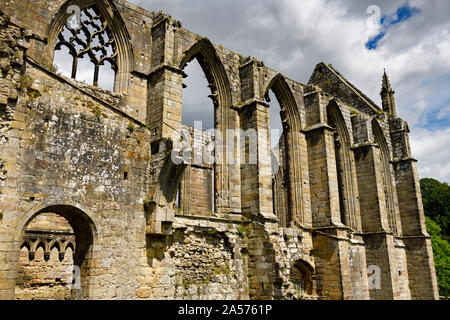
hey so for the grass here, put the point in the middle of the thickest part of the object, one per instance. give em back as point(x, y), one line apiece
point(33, 94)
point(146, 202)
point(242, 231)
point(222, 270)
point(97, 111)
point(25, 82)
point(354, 113)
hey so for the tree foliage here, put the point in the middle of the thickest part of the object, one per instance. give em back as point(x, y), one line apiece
point(441, 251)
point(436, 202)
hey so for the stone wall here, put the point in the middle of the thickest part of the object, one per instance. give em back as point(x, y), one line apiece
point(102, 160)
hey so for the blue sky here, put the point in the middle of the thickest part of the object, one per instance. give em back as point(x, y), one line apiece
point(412, 43)
point(402, 14)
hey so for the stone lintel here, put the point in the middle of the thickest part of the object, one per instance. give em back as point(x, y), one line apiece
point(404, 160)
point(250, 103)
point(166, 66)
point(315, 127)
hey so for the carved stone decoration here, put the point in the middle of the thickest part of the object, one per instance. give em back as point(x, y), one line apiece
point(91, 37)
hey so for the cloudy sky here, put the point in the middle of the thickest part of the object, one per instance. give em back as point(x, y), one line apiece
point(411, 40)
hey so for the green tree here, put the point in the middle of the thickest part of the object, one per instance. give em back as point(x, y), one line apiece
point(441, 251)
point(436, 203)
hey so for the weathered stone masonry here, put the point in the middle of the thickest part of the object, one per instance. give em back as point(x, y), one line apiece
point(86, 176)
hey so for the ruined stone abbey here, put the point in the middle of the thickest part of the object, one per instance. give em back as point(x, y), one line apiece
point(93, 205)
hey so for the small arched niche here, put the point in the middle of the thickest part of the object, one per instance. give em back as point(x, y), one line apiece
point(55, 255)
point(301, 276)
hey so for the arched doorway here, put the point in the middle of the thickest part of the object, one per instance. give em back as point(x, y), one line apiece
point(301, 276)
point(55, 255)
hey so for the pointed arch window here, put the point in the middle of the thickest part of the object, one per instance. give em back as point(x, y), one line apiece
point(92, 47)
point(348, 203)
point(388, 184)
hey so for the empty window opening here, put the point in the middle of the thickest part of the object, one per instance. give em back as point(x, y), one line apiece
point(196, 104)
point(198, 181)
point(177, 203)
point(277, 145)
point(154, 147)
point(344, 166)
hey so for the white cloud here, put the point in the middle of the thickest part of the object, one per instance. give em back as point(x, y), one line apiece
point(432, 150)
point(444, 113)
point(293, 36)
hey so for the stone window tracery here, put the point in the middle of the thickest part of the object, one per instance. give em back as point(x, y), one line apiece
point(91, 38)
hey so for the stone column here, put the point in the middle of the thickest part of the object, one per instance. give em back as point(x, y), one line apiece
point(165, 85)
point(383, 250)
point(331, 240)
point(419, 253)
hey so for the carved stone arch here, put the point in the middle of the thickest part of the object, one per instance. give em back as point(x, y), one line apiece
point(54, 243)
point(27, 244)
point(213, 68)
point(69, 244)
point(290, 117)
point(285, 97)
point(380, 139)
point(38, 243)
point(117, 27)
point(345, 166)
point(303, 270)
point(335, 117)
point(85, 235)
point(388, 183)
point(219, 84)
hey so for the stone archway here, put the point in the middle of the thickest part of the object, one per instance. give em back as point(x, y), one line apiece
point(301, 276)
point(291, 146)
point(345, 167)
point(56, 252)
point(219, 84)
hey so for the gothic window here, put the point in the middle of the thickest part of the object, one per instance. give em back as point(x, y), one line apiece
point(340, 176)
point(92, 49)
point(386, 174)
point(198, 181)
point(344, 167)
point(278, 157)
